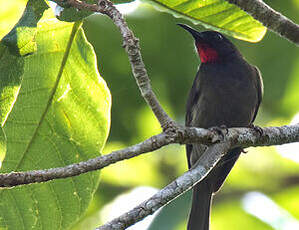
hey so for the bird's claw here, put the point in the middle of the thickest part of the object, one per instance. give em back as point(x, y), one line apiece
point(219, 130)
point(257, 129)
point(225, 128)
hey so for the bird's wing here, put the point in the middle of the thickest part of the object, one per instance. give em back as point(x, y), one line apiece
point(192, 100)
point(260, 89)
point(193, 97)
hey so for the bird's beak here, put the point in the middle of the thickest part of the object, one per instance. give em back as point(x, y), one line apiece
point(196, 35)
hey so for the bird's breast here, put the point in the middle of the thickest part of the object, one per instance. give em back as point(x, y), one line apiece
point(227, 97)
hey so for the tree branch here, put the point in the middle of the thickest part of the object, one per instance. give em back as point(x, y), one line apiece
point(131, 45)
point(241, 137)
point(235, 137)
point(270, 18)
point(171, 191)
point(36, 176)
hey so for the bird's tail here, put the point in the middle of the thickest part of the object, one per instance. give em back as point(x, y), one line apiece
point(199, 217)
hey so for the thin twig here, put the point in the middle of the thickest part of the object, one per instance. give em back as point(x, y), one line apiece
point(270, 18)
point(131, 45)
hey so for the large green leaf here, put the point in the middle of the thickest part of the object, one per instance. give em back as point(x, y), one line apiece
point(12, 69)
point(18, 42)
point(21, 39)
point(61, 116)
point(10, 14)
point(217, 15)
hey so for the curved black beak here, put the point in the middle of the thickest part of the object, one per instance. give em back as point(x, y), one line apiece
point(196, 35)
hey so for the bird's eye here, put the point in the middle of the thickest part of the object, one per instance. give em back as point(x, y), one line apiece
point(219, 36)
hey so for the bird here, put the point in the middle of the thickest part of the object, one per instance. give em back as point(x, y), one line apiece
point(226, 92)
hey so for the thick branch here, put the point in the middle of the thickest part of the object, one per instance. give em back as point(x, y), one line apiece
point(244, 137)
point(131, 44)
point(270, 18)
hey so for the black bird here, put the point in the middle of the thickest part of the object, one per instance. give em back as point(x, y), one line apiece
point(226, 91)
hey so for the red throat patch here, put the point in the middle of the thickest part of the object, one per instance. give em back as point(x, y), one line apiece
point(206, 53)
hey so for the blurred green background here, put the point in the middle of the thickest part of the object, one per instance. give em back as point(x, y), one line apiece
point(262, 190)
point(171, 61)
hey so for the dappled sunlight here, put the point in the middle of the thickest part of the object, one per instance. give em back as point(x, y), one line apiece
point(290, 151)
point(141, 170)
point(253, 169)
point(265, 209)
point(127, 201)
point(127, 8)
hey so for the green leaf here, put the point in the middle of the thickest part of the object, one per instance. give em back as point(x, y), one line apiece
point(10, 14)
point(12, 69)
point(2, 145)
point(217, 15)
point(21, 39)
point(61, 116)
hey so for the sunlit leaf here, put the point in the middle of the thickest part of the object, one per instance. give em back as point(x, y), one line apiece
point(18, 42)
point(216, 15)
point(12, 69)
point(10, 14)
point(2, 145)
point(61, 116)
point(21, 39)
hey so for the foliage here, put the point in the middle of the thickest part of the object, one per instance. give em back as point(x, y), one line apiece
point(55, 113)
point(216, 15)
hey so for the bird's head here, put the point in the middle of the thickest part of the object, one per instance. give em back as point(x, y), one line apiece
point(212, 46)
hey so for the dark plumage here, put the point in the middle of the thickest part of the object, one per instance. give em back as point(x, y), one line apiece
point(226, 91)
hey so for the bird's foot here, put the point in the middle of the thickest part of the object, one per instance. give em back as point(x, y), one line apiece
point(225, 128)
point(219, 130)
point(173, 129)
point(257, 129)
